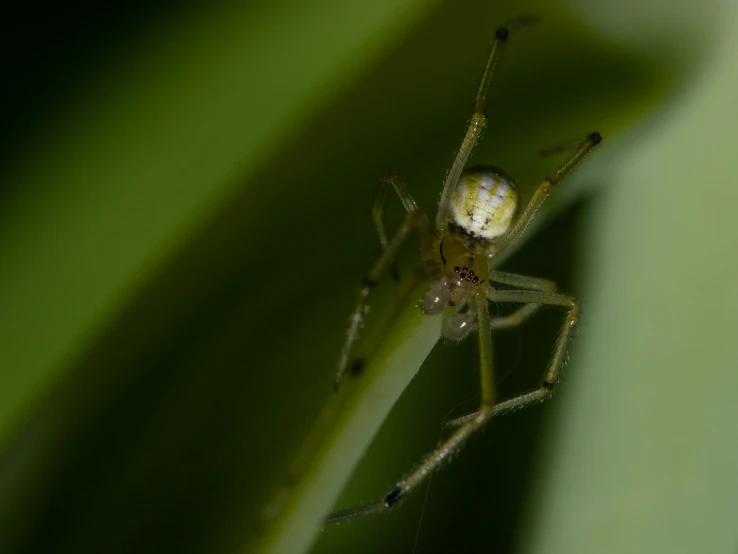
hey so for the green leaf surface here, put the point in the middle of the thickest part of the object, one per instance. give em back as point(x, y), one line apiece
point(147, 149)
point(642, 456)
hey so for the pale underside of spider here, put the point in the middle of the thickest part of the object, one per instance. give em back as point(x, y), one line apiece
point(477, 221)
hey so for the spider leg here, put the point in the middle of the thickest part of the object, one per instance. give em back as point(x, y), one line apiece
point(413, 218)
point(470, 424)
point(477, 122)
point(382, 327)
point(455, 441)
point(542, 192)
point(408, 202)
point(555, 367)
point(527, 310)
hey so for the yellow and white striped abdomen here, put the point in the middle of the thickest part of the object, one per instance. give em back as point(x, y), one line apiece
point(484, 203)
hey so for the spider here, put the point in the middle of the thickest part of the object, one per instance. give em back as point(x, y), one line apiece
point(476, 222)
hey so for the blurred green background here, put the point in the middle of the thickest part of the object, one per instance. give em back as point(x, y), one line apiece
point(185, 194)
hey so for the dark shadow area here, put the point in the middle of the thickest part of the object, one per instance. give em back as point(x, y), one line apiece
point(47, 48)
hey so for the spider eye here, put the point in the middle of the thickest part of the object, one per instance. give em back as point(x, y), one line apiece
point(458, 254)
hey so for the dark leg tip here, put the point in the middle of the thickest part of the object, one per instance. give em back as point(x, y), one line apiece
point(595, 138)
point(357, 368)
point(502, 33)
point(392, 498)
point(369, 284)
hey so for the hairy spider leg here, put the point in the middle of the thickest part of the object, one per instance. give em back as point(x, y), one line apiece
point(520, 315)
point(414, 217)
point(470, 424)
point(541, 193)
point(476, 123)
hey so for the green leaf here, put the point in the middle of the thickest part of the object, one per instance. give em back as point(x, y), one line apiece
point(642, 455)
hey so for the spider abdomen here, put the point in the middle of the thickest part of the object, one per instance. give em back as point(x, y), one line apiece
point(484, 203)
